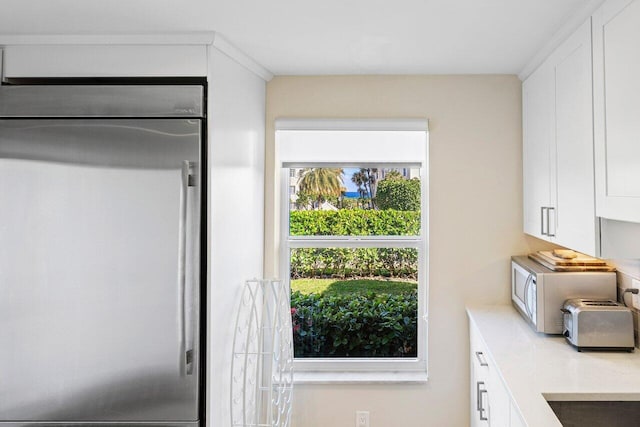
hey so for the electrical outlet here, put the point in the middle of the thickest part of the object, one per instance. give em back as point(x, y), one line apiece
point(362, 418)
point(635, 284)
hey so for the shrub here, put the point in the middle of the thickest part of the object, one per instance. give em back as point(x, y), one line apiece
point(358, 262)
point(399, 194)
point(354, 222)
point(369, 325)
point(362, 262)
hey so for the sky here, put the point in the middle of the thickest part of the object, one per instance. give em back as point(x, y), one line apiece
point(346, 178)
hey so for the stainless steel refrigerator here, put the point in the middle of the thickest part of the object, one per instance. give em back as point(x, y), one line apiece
point(102, 192)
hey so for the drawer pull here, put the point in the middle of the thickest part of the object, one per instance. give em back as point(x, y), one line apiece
point(481, 359)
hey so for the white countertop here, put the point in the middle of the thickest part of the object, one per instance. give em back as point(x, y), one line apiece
point(534, 366)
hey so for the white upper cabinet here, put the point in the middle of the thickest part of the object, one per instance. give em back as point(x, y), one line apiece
point(537, 124)
point(576, 225)
point(616, 68)
point(558, 147)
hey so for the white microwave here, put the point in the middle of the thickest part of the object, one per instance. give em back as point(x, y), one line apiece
point(539, 293)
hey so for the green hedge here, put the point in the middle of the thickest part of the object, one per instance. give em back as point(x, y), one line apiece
point(353, 263)
point(369, 325)
point(401, 194)
point(344, 263)
point(355, 222)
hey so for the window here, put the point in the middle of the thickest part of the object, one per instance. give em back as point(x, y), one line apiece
point(353, 243)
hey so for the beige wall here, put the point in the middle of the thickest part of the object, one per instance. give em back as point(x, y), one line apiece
point(475, 210)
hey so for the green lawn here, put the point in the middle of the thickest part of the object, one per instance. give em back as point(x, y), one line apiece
point(348, 287)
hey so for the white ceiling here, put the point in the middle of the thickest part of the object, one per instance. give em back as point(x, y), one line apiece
point(325, 36)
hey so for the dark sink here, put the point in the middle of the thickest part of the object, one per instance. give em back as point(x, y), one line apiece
point(597, 413)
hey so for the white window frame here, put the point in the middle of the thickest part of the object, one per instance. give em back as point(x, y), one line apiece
point(380, 154)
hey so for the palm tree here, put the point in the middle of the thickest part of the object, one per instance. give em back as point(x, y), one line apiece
point(323, 183)
point(367, 181)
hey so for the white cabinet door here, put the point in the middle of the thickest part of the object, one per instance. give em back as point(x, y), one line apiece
point(537, 123)
point(558, 175)
point(616, 67)
point(515, 419)
point(500, 401)
point(573, 194)
point(479, 409)
point(479, 400)
point(490, 400)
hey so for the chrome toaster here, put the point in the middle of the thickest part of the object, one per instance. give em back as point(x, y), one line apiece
point(598, 324)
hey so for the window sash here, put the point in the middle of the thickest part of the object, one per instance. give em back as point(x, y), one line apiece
point(369, 364)
point(362, 365)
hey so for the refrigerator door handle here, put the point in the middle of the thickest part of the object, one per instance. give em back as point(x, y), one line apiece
point(186, 299)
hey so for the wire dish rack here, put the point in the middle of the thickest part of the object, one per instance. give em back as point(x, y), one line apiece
point(262, 363)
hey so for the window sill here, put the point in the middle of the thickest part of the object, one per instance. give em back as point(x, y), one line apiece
point(324, 377)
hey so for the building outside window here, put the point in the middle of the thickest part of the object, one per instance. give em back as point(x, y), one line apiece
point(354, 244)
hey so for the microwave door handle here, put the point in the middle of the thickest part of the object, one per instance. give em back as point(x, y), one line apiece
point(531, 296)
point(526, 289)
point(526, 295)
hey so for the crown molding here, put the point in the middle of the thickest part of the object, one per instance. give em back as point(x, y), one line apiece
point(576, 19)
point(208, 38)
point(224, 46)
point(190, 38)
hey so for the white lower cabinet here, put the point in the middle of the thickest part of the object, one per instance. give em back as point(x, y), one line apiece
point(500, 400)
point(515, 419)
point(491, 404)
point(479, 387)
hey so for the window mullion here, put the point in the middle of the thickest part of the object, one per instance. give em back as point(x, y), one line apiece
point(315, 242)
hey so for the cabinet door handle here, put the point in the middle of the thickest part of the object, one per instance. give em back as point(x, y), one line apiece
point(481, 359)
point(481, 409)
point(542, 216)
point(549, 223)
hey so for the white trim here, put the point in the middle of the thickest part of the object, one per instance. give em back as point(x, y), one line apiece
point(301, 165)
point(105, 60)
point(361, 370)
point(352, 242)
point(354, 366)
point(575, 20)
point(204, 38)
point(364, 370)
point(224, 46)
point(191, 38)
point(352, 124)
point(333, 377)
